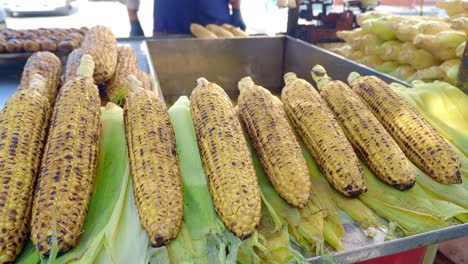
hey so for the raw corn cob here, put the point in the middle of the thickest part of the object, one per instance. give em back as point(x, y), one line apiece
point(101, 44)
point(418, 140)
point(69, 164)
point(220, 32)
point(237, 32)
point(226, 159)
point(373, 144)
point(201, 32)
point(274, 142)
point(48, 65)
point(323, 136)
point(145, 80)
point(126, 65)
point(73, 61)
point(154, 164)
point(23, 124)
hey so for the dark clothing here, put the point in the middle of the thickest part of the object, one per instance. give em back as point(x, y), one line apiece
point(175, 16)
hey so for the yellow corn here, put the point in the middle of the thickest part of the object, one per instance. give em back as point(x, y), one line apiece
point(201, 32)
point(373, 144)
point(275, 142)
point(69, 164)
point(101, 44)
point(73, 61)
point(226, 159)
point(237, 32)
point(126, 65)
point(220, 32)
point(23, 123)
point(154, 164)
point(48, 66)
point(418, 140)
point(145, 80)
point(323, 136)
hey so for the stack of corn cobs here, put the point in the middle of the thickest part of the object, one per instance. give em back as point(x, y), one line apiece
point(410, 47)
point(262, 179)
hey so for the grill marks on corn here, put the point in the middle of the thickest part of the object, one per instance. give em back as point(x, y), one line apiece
point(154, 166)
point(68, 167)
point(126, 65)
point(323, 137)
point(368, 137)
point(275, 143)
point(418, 140)
point(226, 159)
point(23, 124)
point(101, 44)
point(47, 65)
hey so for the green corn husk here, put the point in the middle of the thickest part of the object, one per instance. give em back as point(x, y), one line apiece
point(203, 237)
point(322, 198)
point(413, 210)
point(358, 211)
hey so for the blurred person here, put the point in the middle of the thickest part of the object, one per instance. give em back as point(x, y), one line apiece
point(135, 27)
point(175, 16)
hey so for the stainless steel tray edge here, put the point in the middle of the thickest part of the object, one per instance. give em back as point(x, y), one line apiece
point(398, 245)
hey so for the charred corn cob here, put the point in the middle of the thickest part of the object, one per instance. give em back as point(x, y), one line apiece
point(154, 164)
point(274, 142)
point(73, 61)
point(126, 65)
point(69, 164)
point(145, 80)
point(23, 123)
point(418, 140)
point(101, 44)
point(226, 159)
point(373, 144)
point(48, 66)
point(323, 136)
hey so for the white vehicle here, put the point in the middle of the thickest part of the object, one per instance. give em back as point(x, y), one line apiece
point(2, 18)
point(16, 7)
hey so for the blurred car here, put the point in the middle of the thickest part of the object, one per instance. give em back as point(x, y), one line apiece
point(16, 7)
point(2, 18)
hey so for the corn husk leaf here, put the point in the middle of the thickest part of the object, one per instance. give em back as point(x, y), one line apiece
point(413, 210)
point(322, 199)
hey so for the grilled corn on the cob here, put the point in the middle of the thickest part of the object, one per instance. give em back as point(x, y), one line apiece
point(101, 44)
point(323, 136)
point(69, 164)
point(373, 144)
point(145, 80)
point(23, 124)
point(226, 159)
point(418, 140)
point(73, 61)
point(275, 142)
point(126, 65)
point(154, 164)
point(48, 65)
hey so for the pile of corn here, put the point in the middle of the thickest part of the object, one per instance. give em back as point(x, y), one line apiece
point(207, 182)
point(410, 47)
point(213, 31)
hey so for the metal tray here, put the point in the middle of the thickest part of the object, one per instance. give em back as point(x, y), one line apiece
point(177, 63)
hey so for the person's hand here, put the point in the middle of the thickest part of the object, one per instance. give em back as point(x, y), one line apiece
point(236, 19)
